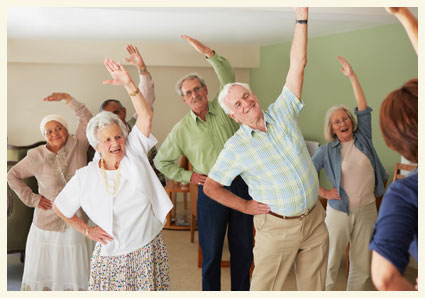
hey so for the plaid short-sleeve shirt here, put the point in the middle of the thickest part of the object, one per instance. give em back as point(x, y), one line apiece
point(276, 164)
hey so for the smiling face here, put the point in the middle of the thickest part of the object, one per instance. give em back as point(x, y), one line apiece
point(245, 106)
point(342, 126)
point(56, 135)
point(111, 145)
point(195, 95)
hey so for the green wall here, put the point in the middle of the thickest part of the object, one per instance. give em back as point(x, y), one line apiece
point(382, 58)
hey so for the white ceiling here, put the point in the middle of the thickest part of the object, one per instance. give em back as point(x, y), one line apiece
point(254, 26)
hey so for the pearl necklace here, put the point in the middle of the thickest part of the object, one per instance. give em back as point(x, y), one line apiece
point(117, 179)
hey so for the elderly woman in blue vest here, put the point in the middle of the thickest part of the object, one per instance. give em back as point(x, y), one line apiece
point(124, 198)
point(358, 177)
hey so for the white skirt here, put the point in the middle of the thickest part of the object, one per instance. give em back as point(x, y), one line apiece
point(56, 261)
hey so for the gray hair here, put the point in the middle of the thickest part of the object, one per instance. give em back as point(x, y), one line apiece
point(101, 121)
point(329, 134)
point(190, 76)
point(225, 91)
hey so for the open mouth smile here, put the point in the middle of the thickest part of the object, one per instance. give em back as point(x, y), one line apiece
point(115, 151)
point(250, 108)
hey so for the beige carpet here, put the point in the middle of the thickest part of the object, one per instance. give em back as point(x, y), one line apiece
point(186, 276)
point(183, 258)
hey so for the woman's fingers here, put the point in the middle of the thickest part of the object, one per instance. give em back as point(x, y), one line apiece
point(98, 234)
point(47, 204)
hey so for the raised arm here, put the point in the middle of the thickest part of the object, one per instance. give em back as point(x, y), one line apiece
point(80, 109)
point(120, 77)
point(298, 55)
point(357, 89)
point(146, 85)
point(221, 65)
point(198, 46)
point(409, 22)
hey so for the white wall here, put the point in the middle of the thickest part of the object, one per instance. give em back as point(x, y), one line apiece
point(38, 68)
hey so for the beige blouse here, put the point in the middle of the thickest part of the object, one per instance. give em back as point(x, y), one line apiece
point(52, 171)
point(357, 176)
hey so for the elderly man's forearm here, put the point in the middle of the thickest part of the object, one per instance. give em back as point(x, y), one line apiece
point(217, 192)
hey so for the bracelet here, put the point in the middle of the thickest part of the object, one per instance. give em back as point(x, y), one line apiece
point(301, 22)
point(143, 71)
point(206, 57)
point(87, 231)
point(134, 93)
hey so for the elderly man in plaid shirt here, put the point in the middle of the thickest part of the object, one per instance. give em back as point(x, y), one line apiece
point(269, 153)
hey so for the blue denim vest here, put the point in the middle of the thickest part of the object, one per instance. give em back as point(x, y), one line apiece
point(329, 157)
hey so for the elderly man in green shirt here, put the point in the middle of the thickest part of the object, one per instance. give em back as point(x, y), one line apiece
point(200, 136)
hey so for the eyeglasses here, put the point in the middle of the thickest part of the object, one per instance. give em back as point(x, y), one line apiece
point(194, 90)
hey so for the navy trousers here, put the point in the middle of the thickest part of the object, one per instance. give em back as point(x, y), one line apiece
point(213, 219)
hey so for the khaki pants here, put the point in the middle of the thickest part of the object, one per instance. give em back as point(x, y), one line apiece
point(281, 244)
point(356, 228)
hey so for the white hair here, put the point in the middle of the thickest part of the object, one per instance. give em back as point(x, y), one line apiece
point(329, 133)
point(225, 91)
point(191, 76)
point(101, 121)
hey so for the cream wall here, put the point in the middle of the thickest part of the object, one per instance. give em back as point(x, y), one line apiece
point(38, 68)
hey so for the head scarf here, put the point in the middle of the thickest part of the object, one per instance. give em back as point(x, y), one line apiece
point(52, 117)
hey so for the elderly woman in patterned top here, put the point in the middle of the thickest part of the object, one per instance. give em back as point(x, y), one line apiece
point(124, 198)
point(57, 257)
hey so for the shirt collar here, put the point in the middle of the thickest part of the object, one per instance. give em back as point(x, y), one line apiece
point(249, 131)
point(336, 142)
point(195, 117)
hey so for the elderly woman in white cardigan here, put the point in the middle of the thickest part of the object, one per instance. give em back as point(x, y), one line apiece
point(122, 195)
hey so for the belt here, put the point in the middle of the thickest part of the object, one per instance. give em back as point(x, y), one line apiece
point(305, 213)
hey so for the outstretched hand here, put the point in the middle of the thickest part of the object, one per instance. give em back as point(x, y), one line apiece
point(393, 10)
point(119, 74)
point(135, 57)
point(198, 46)
point(58, 96)
point(301, 13)
point(345, 67)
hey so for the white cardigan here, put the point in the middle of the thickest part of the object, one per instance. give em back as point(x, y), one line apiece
point(87, 190)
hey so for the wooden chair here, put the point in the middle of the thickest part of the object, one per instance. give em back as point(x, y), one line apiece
point(173, 188)
point(193, 190)
point(399, 167)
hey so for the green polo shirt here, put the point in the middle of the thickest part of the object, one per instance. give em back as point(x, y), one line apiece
point(200, 141)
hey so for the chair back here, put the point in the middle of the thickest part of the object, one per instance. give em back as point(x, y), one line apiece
point(401, 169)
